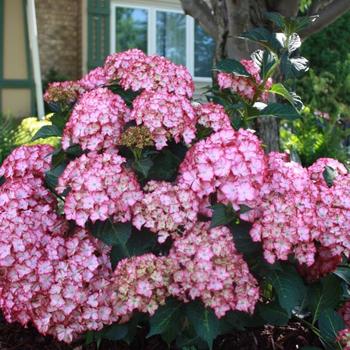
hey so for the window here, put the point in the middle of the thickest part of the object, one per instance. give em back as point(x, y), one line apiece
point(164, 31)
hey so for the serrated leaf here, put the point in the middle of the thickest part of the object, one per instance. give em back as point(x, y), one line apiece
point(115, 331)
point(293, 67)
point(47, 131)
point(280, 110)
point(281, 90)
point(289, 288)
point(204, 321)
point(343, 273)
point(263, 37)
point(273, 314)
point(329, 175)
point(242, 238)
point(167, 320)
point(143, 166)
point(112, 233)
point(275, 18)
point(51, 176)
point(294, 42)
point(324, 295)
point(330, 323)
point(232, 66)
point(222, 215)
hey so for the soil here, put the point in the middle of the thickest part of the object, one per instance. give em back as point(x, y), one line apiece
point(291, 337)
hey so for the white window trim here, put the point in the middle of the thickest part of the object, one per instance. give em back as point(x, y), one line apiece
point(151, 29)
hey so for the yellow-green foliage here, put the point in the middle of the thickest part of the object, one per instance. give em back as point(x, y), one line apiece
point(28, 128)
point(313, 137)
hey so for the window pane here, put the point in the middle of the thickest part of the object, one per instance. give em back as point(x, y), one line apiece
point(171, 36)
point(131, 29)
point(204, 47)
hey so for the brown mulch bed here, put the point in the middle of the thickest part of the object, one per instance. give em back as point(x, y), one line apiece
point(291, 337)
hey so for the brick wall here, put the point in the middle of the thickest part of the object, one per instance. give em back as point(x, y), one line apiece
point(59, 31)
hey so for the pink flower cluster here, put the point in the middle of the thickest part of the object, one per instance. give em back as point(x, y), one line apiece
point(246, 87)
point(207, 266)
point(299, 212)
point(141, 283)
point(135, 70)
point(212, 115)
point(343, 338)
point(287, 212)
point(27, 161)
point(165, 209)
point(166, 116)
point(230, 163)
point(66, 92)
point(344, 312)
point(97, 121)
point(57, 282)
point(94, 79)
point(99, 188)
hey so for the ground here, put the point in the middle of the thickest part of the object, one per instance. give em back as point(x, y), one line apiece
point(292, 337)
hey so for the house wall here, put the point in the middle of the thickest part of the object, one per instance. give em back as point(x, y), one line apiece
point(59, 32)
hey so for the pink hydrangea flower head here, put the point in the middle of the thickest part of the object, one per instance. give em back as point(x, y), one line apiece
point(206, 265)
point(230, 163)
point(165, 209)
point(212, 115)
point(27, 161)
point(134, 70)
point(97, 121)
point(246, 87)
point(343, 338)
point(166, 116)
point(344, 312)
point(317, 169)
point(287, 212)
point(94, 79)
point(66, 92)
point(141, 284)
point(100, 187)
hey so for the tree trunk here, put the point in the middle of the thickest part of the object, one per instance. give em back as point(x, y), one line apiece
point(233, 17)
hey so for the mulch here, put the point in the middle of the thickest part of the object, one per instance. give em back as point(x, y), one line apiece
point(291, 337)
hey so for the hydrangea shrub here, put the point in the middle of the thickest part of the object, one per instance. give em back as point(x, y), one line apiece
point(161, 211)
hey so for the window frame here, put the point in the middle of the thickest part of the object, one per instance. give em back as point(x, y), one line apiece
point(152, 27)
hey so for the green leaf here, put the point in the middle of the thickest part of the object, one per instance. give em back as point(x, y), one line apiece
point(242, 238)
point(275, 18)
point(114, 234)
point(294, 42)
point(281, 90)
point(280, 110)
point(329, 175)
point(293, 67)
point(232, 66)
point(263, 59)
point(143, 166)
point(298, 23)
point(204, 321)
point(343, 273)
point(264, 37)
point(165, 166)
point(289, 288)
point(294, 156)
point(324, 295)
point(115, 331)
point(330, 323)
point(167, 320)
point(273, 314)
point(51, 176)
point(310, 348)
point(47, 131)
point(59, 120)
point(222, 215)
